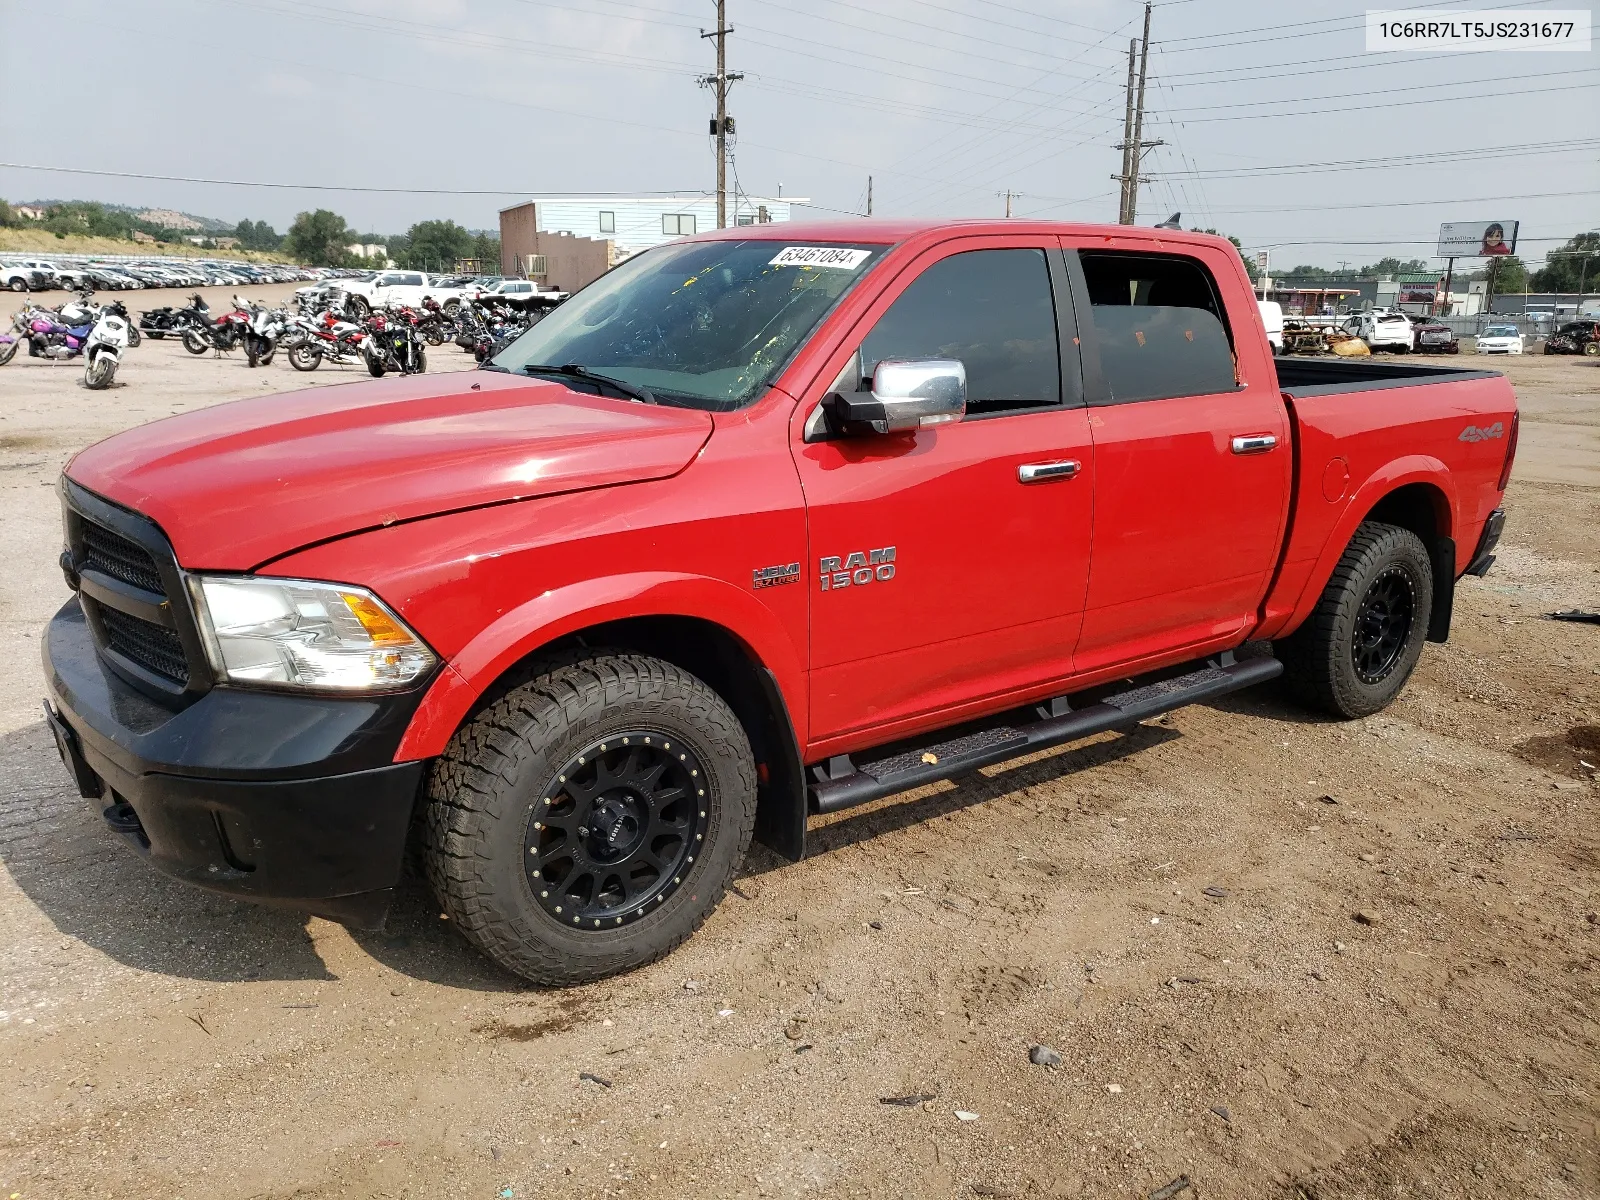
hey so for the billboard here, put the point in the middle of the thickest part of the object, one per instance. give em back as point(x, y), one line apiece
point(1477, 239)
point(1419, 293)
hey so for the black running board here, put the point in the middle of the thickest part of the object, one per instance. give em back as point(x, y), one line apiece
point(958, 756)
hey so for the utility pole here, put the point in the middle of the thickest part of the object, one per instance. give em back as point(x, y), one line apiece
point(1127, 141)
point(1133, 143)
point(1008, 204)
point(869, 195)
point(721, 124)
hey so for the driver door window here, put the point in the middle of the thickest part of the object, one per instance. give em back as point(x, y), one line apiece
point(991, 309)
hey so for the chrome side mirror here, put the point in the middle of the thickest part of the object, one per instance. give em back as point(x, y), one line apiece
point(906, 394)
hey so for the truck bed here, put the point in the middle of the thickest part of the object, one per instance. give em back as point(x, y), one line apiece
point(1302, 377)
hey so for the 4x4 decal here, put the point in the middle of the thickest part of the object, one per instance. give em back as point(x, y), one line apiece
point(1474, 433)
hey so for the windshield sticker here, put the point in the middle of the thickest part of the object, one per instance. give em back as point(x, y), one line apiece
point(837, 257)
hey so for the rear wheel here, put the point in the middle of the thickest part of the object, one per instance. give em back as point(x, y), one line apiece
point(1360, 644)
point(1592, 349)
point(134, 336)
point(375, 367)
point(194, 343)
point(19, 285)
point(357, 307)
point(305, 357)
point(589, 822)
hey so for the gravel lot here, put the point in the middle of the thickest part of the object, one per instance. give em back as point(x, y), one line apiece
point(1174, 910)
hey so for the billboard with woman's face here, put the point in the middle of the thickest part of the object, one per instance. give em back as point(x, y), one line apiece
point(1477, 239)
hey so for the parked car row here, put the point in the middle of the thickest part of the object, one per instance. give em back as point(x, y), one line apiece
point(385, 289)
point(32, 274)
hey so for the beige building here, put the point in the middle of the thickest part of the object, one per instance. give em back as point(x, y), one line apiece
point(560, 260)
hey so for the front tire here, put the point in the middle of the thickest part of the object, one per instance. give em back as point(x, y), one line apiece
point(1360, 644)
point(102, 369)
point(589, 821)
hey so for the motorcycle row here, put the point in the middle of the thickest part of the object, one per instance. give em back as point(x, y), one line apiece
point(98, 332)
point(388, 340)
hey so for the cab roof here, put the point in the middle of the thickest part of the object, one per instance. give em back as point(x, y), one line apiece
point(891, 230)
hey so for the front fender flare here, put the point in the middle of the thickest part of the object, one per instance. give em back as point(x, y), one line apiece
point(562, 611)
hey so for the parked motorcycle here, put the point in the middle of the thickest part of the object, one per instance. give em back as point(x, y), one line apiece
point(309, 340)
point(157, 323)
point(222, 335)
point(103, 349)
point(392, 344)
point(261, 334)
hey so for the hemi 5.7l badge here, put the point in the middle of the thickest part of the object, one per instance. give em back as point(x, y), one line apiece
point(765, 577)
point(857, 569)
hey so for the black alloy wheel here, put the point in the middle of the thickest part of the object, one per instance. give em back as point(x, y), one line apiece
point(617, 829)
point(1383, 623)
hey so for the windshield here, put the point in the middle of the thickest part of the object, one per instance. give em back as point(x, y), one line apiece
point(705, 324)
point(1500, 331)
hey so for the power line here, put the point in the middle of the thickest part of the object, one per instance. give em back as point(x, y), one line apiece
point(335, 187)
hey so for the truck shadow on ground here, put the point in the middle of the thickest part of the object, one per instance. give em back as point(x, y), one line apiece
point(60, 854)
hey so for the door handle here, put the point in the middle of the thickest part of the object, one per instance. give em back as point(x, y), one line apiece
point(1041, 472)
point(1255, 443)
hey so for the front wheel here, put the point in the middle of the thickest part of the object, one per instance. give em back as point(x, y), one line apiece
point(8, 350)
point(134, 336)
point(19, 285)
point(194, 343)
point(375, 366)
point(1360, 644)
point(102, 369)
point(589, 821)
point(1592, 349)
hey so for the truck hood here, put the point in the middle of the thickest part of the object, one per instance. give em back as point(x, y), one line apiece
point(238, 484)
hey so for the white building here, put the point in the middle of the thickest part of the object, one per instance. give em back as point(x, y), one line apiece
point(636, 223)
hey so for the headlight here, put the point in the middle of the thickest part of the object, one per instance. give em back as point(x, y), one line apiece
point(297, 633)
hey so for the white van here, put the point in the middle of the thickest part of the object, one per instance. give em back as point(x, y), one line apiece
point(1272, 318)
point(1382, 330)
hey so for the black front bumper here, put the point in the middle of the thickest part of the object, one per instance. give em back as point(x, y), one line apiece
point(272, 797)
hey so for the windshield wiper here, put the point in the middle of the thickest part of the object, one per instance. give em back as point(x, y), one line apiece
point(574, 371)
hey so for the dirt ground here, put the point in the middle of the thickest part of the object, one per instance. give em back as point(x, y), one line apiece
point(1174, 910)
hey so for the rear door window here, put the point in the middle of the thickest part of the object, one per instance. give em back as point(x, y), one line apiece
point(993, 310)
point(1159, 324)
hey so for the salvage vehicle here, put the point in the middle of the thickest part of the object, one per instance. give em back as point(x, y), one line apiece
point(758, 526)
point(1433, 337)
point(1500, 339)
point(1575, 337)
point(1383, 329)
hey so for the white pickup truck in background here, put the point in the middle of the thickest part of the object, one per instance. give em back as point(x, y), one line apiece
point(399, 287)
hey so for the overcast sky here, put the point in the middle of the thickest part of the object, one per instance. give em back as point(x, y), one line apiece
point(1278, 127)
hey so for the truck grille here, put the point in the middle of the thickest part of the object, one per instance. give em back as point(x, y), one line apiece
point(114, 555)
point(153, 647)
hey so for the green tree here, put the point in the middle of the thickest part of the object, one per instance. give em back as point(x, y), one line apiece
point(319, 239)
point(257, 235)
point(436, 244)
point(1573, 265)
point(1249, 263)
point(7, 217)
point(1510, 274)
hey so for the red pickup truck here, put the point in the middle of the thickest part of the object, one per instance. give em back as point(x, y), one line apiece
point(760, 525)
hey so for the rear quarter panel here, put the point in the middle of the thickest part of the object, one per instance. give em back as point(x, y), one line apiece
point(1356, 447)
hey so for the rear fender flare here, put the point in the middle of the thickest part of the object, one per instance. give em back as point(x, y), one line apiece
point(567, 610)
point(1413, 468)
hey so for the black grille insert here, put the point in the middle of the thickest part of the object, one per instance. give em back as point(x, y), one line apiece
point(154, 647)
point(114, 555)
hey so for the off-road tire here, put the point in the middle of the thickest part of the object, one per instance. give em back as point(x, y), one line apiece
point(1318, 658)
point(483, 790)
